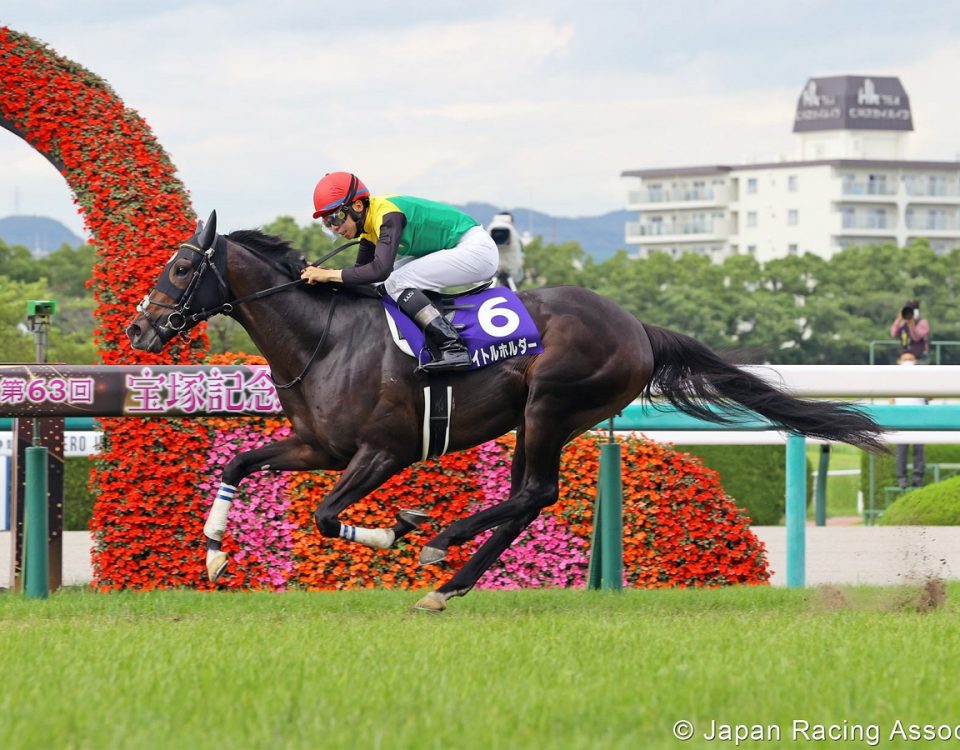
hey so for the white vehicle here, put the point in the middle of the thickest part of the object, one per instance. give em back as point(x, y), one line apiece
point(507, 238)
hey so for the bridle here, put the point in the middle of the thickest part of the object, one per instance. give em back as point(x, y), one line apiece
point(182, 317)
point(183, 299)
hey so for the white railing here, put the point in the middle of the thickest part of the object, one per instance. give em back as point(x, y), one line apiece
point(676, 195)
point(868, 222)
point(868, 188)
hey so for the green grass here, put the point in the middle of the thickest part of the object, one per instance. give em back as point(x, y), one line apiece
point(530, 669)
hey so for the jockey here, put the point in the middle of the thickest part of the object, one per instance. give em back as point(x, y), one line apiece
point(409, 244)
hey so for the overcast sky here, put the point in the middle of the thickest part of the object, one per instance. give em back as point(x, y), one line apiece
point(521, 104)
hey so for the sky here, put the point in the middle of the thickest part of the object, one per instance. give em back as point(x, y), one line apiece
point(537, 105)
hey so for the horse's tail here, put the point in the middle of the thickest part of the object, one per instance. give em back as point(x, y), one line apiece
point(690, 375)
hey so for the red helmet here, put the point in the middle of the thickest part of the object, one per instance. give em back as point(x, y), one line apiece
point(337, 189)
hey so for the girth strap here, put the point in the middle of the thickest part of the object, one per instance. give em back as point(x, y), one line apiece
point(437, 411)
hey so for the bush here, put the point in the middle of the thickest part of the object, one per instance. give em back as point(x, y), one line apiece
point(885, 472)
point(77, 498)
point(754, 476)
point(933, 505)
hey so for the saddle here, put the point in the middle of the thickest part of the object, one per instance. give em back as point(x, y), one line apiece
point(493, 322)
point(442, 299)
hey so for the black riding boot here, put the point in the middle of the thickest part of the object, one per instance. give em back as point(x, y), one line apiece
point(439, 331)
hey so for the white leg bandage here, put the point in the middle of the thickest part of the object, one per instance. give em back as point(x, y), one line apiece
point(376, 538)
point(216, 524)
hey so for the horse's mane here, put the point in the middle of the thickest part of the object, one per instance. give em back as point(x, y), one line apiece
point(275, 251)
point(287, 259)
point(257, 240)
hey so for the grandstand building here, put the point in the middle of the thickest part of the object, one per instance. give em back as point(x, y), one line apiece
point(850, 186)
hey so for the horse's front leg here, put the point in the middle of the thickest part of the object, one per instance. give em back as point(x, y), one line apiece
point(368, 469)
point(291, 454)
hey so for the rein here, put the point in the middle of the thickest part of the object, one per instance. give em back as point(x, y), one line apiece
point(227, 307)
point(316, 352)
point(182, 306)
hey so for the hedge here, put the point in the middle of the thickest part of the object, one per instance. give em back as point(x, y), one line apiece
point(77, 497)
point(933, 505)
point(753, 476)
point(885, 474)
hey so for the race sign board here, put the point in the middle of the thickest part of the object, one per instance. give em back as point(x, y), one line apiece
point(145, 391)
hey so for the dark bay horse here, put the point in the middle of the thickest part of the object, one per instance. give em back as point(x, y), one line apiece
point(355, 401)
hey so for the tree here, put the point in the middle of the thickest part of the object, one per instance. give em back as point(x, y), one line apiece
point(553, 265)
point(313, 240)
point(17, 263)
point(71, 338)
point(68, 270)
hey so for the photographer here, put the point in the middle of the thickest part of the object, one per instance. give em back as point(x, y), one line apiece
point(913, 331)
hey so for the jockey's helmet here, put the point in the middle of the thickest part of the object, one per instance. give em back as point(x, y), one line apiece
point(337, 189)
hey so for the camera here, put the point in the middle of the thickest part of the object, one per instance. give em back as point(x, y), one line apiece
point(907, 312)
point(41, 307)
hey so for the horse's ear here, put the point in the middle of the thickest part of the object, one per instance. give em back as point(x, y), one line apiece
point(209, 232)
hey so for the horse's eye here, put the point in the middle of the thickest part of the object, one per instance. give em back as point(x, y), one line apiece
point(181, 270)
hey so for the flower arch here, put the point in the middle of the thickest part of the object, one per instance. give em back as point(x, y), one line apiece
point(152, 477)
point(135, 209)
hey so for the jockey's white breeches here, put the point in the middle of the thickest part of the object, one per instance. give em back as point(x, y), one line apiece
point(474, 259)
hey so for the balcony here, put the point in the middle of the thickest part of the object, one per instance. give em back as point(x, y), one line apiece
point(879, 223)
point(869, 191)
point(915, 190)
point(685, 197)
point(647, 232)
point(933, 225)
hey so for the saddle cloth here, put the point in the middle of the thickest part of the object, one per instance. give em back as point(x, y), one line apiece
point(494, 325)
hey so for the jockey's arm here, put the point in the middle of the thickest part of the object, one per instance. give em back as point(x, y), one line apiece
point(384, 253)
point(365, 253)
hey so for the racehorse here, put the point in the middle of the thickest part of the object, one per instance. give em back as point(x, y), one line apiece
point(355, 401)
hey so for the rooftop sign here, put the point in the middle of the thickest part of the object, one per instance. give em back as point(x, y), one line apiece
point(853, 103)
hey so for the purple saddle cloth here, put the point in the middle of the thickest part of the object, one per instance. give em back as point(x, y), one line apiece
point(493, 322)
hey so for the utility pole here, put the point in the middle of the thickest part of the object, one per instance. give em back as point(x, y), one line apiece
point(37, 526)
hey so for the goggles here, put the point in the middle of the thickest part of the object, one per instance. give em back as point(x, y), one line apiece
point(336, 218)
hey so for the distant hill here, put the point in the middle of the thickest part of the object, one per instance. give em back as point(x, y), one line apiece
point(599, 236)
point(38, 234)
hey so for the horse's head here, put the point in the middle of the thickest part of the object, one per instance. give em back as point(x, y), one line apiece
point(191, 288)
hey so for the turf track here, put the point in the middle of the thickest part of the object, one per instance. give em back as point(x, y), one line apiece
point(530, 669)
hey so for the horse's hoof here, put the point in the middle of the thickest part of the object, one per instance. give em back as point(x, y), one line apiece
point(216, 564)
point(413, 517)
point(432, 602)
point(432, 555)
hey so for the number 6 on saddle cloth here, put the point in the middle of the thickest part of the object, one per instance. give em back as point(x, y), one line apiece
point(494, 325)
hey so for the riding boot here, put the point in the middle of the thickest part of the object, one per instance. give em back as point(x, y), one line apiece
point(453, 354)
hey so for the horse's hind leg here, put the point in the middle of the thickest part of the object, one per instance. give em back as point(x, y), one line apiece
point(467, 528)
point(539, 462)
point(550, 420)
point(467, 577)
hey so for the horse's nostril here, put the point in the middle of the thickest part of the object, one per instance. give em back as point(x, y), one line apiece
point(133, 332)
